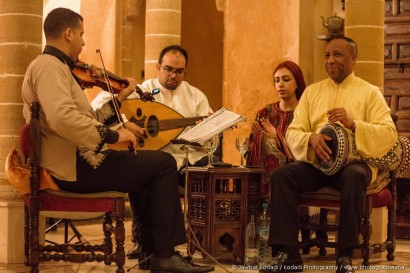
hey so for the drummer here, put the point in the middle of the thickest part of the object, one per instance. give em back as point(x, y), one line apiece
point(360, 108)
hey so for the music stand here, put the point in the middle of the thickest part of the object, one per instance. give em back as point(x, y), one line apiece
point(186, 146)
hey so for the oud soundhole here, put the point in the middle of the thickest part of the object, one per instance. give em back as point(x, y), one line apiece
point(138, 112)
point(152, 126)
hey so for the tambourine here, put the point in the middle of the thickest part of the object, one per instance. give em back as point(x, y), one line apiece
point(344, 152)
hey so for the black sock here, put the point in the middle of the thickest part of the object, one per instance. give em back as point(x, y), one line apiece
point(164, 253)
point(291, 251)
point(347, 252)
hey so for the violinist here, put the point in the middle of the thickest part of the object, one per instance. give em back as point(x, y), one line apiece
point(74, 143)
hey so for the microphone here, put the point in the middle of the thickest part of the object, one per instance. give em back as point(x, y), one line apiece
point(147, 96)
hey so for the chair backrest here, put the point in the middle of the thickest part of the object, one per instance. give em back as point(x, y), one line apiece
point(25, 143)
point(34, 145)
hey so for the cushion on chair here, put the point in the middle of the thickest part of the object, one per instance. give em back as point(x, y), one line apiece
point(19, 175)
point(103, 194)
point(328, 197)
point(76, 202)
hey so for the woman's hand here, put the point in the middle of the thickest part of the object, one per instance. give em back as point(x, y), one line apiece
point(256, 129)
point(263, 126)
point(268, 129)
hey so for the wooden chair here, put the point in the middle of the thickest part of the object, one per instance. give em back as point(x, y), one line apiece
point(328, 199)
point(67, 205)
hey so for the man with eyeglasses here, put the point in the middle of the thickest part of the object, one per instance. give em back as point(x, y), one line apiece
point(182, 97)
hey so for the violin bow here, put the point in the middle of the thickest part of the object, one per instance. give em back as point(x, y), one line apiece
point(116, 106)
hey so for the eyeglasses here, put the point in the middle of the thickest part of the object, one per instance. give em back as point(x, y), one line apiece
point(170, 70)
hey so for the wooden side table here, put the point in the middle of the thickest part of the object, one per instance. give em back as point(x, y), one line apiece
point(220, 203)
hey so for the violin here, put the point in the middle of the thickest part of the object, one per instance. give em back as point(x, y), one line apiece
point(89, 76)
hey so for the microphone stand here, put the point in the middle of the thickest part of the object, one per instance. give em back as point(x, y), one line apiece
point(190, 231)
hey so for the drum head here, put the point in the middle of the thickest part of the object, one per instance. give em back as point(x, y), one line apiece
point(332, 144)
point(338, 145)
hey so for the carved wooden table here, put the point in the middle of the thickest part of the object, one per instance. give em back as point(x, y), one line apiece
point(220, 203)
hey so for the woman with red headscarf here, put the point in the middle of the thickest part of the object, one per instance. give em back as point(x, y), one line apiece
point(268, 148)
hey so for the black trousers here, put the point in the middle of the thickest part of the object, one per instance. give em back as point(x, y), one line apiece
point(151, 179)
point(289, 180)
point(139, 210)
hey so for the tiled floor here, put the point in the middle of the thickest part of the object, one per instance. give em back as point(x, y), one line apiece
point(313, 262)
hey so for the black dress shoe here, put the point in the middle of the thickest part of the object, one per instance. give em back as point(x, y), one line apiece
point(177, 264)
point(294, 264)
point(284, 264)
point(344, 265)
point(136, 252)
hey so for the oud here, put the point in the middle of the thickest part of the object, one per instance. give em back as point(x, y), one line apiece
point(161, 123)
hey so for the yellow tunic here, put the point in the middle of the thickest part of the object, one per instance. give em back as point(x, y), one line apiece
point(375, 131)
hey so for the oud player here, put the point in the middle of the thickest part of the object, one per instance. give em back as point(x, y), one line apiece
point(178, 95)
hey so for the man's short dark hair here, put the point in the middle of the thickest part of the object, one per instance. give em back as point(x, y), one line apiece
point(58, 20)
point(351, 42)
point(173, 48)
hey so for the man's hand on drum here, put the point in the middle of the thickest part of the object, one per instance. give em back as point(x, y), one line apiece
point(318, 143)
point(339, 114)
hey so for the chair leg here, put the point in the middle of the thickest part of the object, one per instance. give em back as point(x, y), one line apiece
point(26, 236)
point(304, 219)
point(34, 247)
point(391, 216)
point(306, 236)
point(107, 229)
point(366, 232)
point(321, 235)
point(120, 235)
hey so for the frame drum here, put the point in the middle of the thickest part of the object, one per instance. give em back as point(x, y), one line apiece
point(344, 152)
point(339, 145)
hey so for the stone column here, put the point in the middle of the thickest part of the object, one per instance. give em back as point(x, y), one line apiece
point(20, 43)
point(162, 28)
point(367, 30)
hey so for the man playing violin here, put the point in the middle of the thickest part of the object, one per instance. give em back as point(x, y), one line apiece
point(179, 95)
point(75, 138)
point(359, 107)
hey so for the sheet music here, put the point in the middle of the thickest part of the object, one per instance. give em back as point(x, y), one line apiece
point(211, 126)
